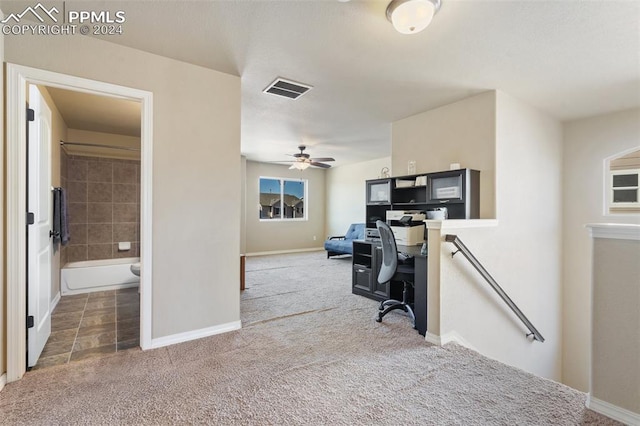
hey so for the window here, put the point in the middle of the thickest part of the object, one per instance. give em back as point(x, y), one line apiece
point(283, 199)
point(624, 188)
point(623, 183)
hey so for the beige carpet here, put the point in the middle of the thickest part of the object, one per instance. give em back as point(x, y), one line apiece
point(309, 353)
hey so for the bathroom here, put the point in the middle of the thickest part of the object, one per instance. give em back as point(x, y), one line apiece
point(96, 160)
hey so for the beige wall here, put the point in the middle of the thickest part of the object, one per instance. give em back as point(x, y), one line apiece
point(615, 365)
point(243, 205)
point(267, 236)
point(196, 168)
point(522, 252)
point(3, 288)
point(462, 132)
point(58, 132)
point(587, 143)
point(345, 202)
point(529, 252)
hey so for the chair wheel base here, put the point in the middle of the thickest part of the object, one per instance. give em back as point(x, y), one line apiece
point(378, 319)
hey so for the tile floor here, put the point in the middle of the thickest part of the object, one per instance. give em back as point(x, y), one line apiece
point(91, 325)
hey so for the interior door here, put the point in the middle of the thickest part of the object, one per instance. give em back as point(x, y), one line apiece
point(39, 202)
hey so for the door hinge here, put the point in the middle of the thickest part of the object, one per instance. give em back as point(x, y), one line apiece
point(31, 114)
point(30, 218)
point(30, 321)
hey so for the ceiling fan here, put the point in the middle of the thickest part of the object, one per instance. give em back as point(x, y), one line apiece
point(304, 160)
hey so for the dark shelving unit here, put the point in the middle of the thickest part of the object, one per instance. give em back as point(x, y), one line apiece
point(457, 190)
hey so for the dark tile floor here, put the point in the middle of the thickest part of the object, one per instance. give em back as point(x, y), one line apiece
point(91, 325)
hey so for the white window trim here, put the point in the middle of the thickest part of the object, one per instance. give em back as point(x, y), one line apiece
point(610, 189)
point(305, 198)
point(607, 183)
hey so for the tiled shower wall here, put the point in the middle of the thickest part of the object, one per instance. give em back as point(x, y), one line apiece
point(104, 207)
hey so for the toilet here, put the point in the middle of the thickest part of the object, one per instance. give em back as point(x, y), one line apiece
point(135, 269)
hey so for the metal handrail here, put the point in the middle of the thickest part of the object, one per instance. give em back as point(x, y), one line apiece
point(476, 264)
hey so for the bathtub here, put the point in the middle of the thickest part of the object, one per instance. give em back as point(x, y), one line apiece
point(98, 275)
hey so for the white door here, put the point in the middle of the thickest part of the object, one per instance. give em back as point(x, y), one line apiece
point(39, 202)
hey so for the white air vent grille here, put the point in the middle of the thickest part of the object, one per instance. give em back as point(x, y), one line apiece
point(287, 88)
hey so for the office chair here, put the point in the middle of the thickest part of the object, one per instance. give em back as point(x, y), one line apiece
point(391, 270)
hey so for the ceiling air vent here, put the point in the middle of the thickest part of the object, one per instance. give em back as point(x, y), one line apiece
point(287, 88)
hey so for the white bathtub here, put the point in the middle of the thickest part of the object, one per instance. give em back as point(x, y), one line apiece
point(98, 275)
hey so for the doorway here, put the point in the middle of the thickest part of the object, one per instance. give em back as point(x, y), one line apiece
point(95, 164)
point(17, 80)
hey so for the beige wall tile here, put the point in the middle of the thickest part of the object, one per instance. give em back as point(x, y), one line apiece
point(125, 232)
point(77, 213)
point(77, 170)
point(125, 212)
point(77, 253)
point(92, 193)
point(78, 233)
point(99, 251)
point(100, 213)
point(124, 173)
point(99, 233)
point(99, 192)
point(125, 193)
point(76, 192)
point(100, 171)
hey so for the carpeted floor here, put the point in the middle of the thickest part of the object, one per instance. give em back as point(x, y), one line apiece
point(309, 352)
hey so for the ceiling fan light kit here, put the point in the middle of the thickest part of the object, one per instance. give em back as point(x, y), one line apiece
point(303, 160)
point(300, 165)
point(412, 16)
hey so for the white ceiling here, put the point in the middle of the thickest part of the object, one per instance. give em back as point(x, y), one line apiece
point(572, 59)
point(84, 111)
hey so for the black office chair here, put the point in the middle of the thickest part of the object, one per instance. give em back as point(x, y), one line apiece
point(391, 270)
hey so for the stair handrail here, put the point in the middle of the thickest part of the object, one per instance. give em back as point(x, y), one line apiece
point(492, 282)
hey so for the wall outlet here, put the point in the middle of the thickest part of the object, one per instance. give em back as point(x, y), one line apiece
point(314, 238)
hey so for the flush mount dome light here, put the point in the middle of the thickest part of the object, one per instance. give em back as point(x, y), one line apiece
point(412, 16)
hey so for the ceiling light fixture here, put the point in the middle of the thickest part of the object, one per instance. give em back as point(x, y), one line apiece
point(412, 16)
point(300, 165)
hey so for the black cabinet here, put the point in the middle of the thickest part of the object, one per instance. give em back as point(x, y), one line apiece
point(363, 260)
point(457, 190)
point(367, 259)
point(379, 191)
point(378, 201)
point(409, 190)
point(375, 213)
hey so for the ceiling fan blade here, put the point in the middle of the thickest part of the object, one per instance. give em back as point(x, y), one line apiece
point(322, 165)
point(323, 159)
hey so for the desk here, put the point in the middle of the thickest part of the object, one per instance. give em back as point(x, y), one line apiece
point(367, 258)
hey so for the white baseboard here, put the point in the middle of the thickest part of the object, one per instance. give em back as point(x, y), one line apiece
point(195, 334)
point(434, 339)
point(266, 253)
point(54, 302)
point(613, 411)
point(3, 381)
point(450, 337)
